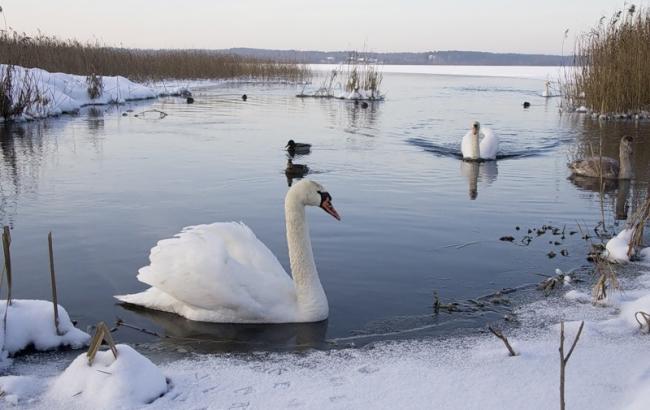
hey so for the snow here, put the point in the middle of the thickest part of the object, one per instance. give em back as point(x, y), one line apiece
point(31, 323)
point(16, 387)
point(607, 370)
point(67, 93)
point(531, 72)
point(129, 381)
point(617, 247)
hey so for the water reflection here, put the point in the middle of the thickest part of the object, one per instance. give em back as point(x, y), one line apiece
point(21, 157)
point(207, 337)
point(486, 172)
point(295, 171)
point(621, 187)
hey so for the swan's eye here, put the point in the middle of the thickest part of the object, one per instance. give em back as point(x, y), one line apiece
point(324, 197)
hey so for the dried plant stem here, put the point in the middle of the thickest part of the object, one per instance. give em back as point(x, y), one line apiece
point(500, 335)
point(565, 359)
point(102, 333)
point(6, 243)
point(53, 282)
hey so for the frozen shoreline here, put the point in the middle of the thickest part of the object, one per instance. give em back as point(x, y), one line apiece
point(607, 369)
point(63, 93)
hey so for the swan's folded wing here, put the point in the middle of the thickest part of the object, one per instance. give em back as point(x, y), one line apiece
point(218, 266)
point(595, 166)
point(466, 145)
point(489, 144)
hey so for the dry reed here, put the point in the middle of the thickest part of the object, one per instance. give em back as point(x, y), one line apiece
point(74, 57)
point(612, 73)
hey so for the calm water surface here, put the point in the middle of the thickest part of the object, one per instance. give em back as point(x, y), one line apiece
point(109, 186)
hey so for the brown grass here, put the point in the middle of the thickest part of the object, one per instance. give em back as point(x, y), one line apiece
point(17, 95)
point(613, 64)
point(74, 57)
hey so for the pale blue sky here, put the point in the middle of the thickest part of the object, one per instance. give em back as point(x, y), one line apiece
point(407, 25)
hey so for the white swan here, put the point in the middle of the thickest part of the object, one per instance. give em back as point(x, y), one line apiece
point(485, 150)
point(222, 273)
point(547, 91)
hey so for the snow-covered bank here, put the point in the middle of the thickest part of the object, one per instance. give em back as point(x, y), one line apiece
point(61, 93)
point(607, 370)
point(30, 323)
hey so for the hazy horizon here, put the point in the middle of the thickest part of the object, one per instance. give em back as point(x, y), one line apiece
point(500, 26)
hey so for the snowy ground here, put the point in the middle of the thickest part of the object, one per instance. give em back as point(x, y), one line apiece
point(66, 93)
point(533, 72)
point(608, 370)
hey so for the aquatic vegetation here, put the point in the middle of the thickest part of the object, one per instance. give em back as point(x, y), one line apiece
point(358, 79)
point(74, 57)
point(612, 73)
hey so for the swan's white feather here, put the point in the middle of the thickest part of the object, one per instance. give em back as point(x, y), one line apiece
point(218, 272)
point(488, 144)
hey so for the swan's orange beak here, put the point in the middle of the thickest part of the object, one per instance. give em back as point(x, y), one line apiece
point(327, 206)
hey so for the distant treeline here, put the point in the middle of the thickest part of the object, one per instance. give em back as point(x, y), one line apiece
point(71, 56)
point(425, 58)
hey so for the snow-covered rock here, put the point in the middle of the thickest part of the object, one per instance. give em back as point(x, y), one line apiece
point(31, 323)
point(129, 381)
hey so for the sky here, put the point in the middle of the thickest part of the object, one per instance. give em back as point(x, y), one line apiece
point(520, 26)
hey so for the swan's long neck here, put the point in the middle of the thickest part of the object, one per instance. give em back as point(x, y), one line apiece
point(625, 158)
point(312, 302)
point(475, 152)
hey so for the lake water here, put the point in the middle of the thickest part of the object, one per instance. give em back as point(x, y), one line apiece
point(110, 186)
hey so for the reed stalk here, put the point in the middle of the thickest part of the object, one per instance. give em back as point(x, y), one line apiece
point(74, 57)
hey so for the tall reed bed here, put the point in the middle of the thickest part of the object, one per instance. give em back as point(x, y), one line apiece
point(613, 64)
point(362, 75)
point(74, 57)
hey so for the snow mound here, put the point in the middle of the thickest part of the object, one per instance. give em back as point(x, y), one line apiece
point(617, 247)
point(129, 381)
point(65, 93)
point(31, 323)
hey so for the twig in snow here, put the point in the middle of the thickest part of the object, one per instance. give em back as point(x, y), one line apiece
point(53, 279)
point(564, 359)
point(644, 322)
point(500, 335)
point(101, 334)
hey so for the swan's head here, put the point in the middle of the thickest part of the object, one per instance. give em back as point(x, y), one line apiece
point(311, 193)
point(291, 144)
point(626, 145)
point(476, 127)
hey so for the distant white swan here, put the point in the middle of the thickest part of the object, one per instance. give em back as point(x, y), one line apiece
point(474, 150)
point(222, 273)
point(547, 90)
point(608, 167)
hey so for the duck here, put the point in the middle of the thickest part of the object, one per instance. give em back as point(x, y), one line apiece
point(297, 147)
point(472, 150)
point(608, 167)
point(222, 273)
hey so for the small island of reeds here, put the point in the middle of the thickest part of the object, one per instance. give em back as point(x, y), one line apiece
point(612, 75)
